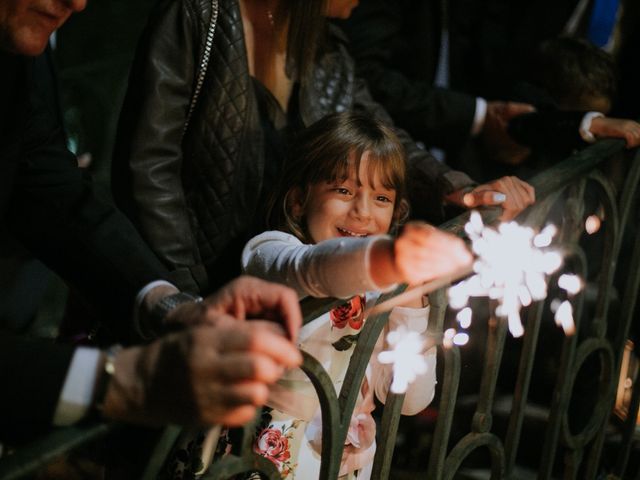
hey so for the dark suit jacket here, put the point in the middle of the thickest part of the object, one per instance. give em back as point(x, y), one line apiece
point(396, 46)
point(628, 101)
point(49, 205)
point(502, 36)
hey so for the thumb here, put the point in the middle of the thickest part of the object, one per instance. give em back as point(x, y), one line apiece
point(478, 198)
point(513, 109)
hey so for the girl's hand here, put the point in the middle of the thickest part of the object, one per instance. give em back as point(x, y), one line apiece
point(423, 253)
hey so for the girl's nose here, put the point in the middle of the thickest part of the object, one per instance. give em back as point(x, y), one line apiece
point(362, 208)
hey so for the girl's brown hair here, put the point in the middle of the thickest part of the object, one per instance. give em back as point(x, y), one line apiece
point(326, 152)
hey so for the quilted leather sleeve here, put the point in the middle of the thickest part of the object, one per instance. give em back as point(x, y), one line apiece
point(148, 161)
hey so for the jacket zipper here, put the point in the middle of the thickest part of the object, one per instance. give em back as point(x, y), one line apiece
point(204, 63)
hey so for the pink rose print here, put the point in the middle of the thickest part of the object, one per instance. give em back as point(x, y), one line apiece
point(351, 312)
point(272, 444)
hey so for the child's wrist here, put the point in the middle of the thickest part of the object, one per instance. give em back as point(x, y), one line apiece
point(382, 264)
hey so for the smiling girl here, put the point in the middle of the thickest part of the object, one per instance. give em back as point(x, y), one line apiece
point(342, 193)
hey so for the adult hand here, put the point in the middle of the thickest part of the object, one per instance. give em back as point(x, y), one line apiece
point(511, 193)
point(617, 128)
point(205, 375)
point(495, 137)
point(249, 297)
point(244, 298)
point(496, 120)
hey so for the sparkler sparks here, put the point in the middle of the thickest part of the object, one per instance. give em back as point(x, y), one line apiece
point(407, 357)
point(511, 267)
point(571, 283)
point(564, 317)
point(464, 317)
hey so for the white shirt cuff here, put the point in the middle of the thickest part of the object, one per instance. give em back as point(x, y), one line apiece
point(479, 116)
point(585, 126)
point(77, 392)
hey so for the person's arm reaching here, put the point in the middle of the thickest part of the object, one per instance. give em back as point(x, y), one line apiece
point(216, 371)
point(382, 40)
point(205, 375)
point(343, 267)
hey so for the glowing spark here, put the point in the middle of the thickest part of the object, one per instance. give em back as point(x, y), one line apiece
point(544, 238)
point(564, 318)
point(592, 224)
point(447, 340)
point(464, 317)
point(511, 267)
point(460, 338)
point(406, 356)
point(515, 324)
point(571, 283)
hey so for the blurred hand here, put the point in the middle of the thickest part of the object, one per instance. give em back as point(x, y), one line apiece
point(495, 138)
point(245, 298)
point(204, 376)
point(423, 253)
point(497, 119)
point(617, 128)
point(249, 297)
point(511, 193)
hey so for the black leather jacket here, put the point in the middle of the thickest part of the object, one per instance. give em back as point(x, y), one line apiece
point(193, 190)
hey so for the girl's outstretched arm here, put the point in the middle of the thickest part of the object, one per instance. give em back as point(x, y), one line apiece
point(346, 266)
point(339, 267)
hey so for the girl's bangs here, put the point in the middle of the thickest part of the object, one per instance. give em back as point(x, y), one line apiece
point(388, 166)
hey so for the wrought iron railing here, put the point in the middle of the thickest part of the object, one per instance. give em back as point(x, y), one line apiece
point(580, 437)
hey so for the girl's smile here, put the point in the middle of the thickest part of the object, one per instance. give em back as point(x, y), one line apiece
point(355, 207)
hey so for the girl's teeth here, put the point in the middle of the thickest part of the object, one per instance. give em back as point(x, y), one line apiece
point(352, 234)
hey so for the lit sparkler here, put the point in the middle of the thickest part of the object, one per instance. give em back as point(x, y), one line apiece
point(511, 267)
point(406, 355)
point(464, 317)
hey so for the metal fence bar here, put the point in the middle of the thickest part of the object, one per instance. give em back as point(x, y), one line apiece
point(41, 452)
point(523, 382)
point(446, 409)
point(389, 426)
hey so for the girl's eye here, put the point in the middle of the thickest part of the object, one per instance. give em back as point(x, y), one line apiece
point(383, 198)
point(341, 190)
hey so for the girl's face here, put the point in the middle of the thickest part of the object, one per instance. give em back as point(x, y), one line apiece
point(349, 208)
point(340, 8)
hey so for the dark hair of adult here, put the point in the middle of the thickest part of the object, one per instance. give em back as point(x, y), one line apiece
point(307, 25)
point(572, 69)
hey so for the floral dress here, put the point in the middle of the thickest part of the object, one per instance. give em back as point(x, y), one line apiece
point(291, 431)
